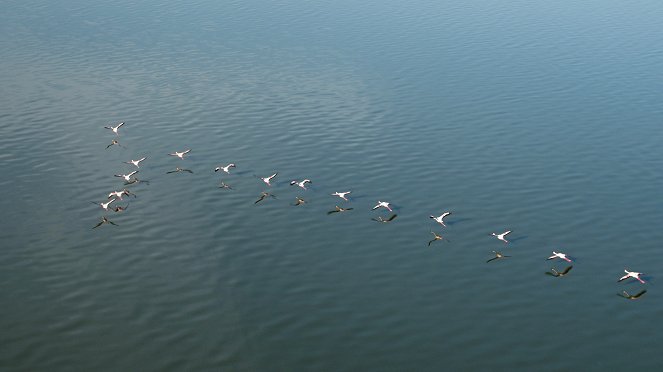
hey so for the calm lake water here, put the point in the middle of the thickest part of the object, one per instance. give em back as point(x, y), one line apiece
point(540, 117)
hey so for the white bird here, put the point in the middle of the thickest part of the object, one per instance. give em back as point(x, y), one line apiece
point(136, 162)
point(502, 235)
point(268, 180)
point(631, 274)
point(342, 194)
point(440, 219)
point(226, 168)
point(115, 128)
point(180, 154)
point(104, 205)
point(301, 184)
point(118, 194)
point(383, 205)
point(126, 177)
point(559, 255)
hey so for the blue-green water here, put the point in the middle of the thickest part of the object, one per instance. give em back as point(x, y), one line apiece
point(540, 117)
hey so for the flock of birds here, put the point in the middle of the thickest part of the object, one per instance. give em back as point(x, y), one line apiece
point(130, 179)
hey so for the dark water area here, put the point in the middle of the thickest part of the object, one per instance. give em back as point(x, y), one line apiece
point(544, 118)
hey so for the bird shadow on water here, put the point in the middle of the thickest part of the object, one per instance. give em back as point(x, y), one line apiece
point(139, 182)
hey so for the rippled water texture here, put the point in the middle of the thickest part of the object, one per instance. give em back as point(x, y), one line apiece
point(539, 117)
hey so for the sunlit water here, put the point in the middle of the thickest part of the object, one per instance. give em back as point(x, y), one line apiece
point(539, 117)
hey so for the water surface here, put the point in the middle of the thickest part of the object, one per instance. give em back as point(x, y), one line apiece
point(538, 117)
